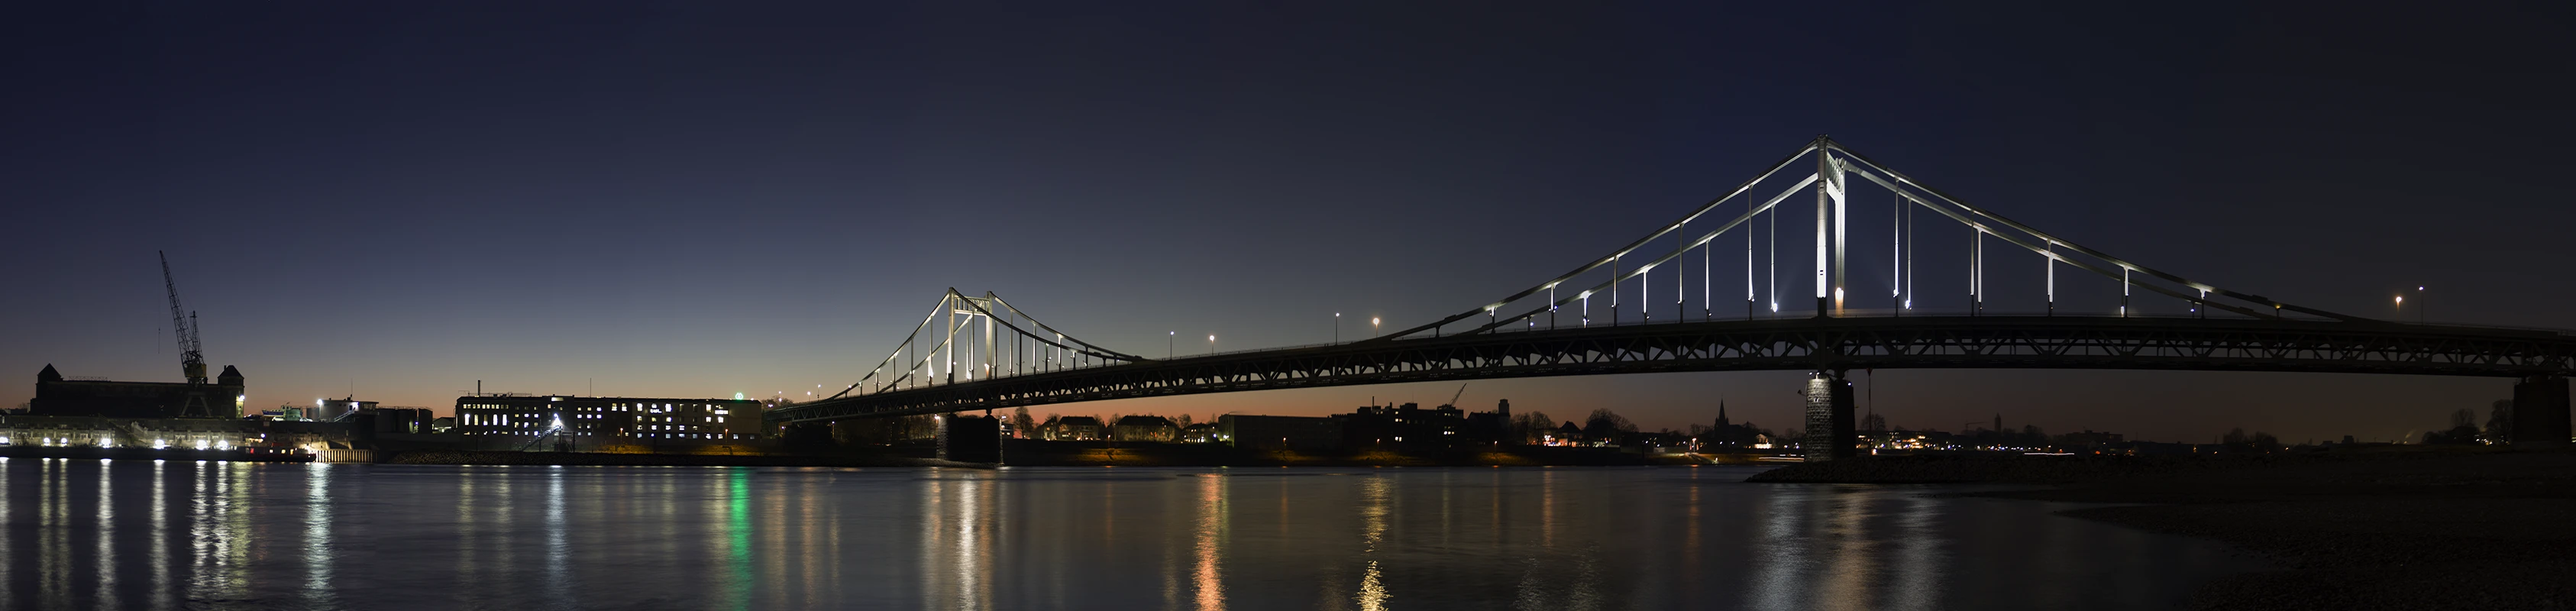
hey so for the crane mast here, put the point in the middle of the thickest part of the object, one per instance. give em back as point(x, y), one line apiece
point(183, 324)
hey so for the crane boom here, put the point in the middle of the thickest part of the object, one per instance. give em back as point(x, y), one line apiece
point(1462, 391)
point(183, 324)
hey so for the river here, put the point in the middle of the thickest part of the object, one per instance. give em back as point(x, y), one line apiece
point(95, 534)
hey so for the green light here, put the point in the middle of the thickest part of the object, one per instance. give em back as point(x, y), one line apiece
point(737, 396)
point(739, 525)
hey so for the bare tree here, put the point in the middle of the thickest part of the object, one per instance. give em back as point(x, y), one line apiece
point(1605, 424)
point(1531, 425)
point(2500, 420)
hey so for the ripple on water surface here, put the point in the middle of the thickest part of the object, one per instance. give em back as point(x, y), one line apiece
point(89, 534)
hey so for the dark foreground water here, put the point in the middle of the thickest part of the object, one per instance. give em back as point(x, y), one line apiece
point(92, 534)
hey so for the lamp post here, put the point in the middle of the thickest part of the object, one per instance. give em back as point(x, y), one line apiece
point(1337, 327)
point(1211, 344)
point(1372, 326)
point(2401, 308)
point(1171, 339)
point(2420, 315)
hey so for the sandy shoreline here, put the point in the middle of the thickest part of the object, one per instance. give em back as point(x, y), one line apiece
point(2368, 528)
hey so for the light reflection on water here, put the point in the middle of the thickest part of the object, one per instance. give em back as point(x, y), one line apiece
point(87, 534)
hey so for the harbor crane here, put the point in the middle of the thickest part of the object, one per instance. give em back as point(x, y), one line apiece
point(192, 358)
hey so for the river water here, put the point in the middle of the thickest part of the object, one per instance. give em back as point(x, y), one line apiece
point(94, 534)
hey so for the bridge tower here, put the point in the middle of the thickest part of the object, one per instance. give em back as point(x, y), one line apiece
point(1830, 222)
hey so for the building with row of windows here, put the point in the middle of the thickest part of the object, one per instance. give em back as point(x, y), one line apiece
point(630, 417)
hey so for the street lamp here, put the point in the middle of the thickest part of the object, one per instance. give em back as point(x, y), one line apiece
point(1372, 326)
point(1172, 339)
point(1211, 344)
point(2401, 307)
point(1337, 327)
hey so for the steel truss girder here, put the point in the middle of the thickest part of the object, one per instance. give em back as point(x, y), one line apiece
point(1962, 342)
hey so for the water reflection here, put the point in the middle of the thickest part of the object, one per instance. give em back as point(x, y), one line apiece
point(317, 534)
point(144, 535)
point(107, 590)
point(1372, 595)
point(1206, 577)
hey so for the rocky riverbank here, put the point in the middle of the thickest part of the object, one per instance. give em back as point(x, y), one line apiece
point(2364, 528)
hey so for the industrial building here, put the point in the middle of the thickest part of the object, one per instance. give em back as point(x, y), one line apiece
point(635, 417)
point(1407, 425)
point(327, 410)
point(57, 395)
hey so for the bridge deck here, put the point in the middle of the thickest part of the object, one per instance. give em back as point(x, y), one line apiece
point(1982, 342)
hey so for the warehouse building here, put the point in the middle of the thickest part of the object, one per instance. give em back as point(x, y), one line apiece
point(58, 395)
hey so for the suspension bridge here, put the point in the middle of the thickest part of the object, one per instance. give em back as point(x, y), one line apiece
point(1650, 307)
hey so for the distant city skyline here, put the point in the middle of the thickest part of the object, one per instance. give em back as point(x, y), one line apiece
point(703, 201)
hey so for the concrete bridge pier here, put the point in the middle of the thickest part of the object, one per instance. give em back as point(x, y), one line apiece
point(2540, 412)
point(1830, 425)
point(970, 438)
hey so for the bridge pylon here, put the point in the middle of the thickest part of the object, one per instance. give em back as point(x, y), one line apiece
point(989, 326)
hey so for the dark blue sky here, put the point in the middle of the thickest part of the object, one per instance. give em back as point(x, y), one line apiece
point(690, 200)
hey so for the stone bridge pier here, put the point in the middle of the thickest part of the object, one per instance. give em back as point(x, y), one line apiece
point(2540, 412)
point(1830, 426)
